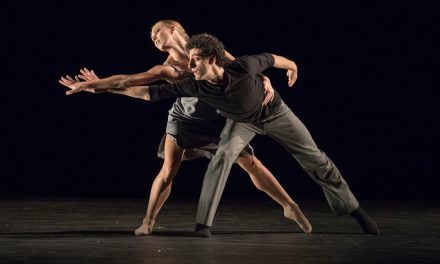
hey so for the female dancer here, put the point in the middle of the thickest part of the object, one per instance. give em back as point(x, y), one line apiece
point(193, 126)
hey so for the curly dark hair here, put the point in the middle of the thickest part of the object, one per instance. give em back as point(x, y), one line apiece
point(208, 45)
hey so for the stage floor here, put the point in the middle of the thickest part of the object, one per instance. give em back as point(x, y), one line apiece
point(61, 230)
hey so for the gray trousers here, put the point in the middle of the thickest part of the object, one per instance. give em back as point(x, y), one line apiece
point(291, 133)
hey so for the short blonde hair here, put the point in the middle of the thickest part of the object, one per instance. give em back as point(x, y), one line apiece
point(170, 22)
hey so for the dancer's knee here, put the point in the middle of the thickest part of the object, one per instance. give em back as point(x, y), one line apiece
point(314, 160)
point(249, 163)
point(167, 174)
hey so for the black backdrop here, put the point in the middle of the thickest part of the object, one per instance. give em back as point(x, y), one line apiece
point(365, 91)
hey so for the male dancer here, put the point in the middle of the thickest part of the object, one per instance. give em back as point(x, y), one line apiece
point(236, 90)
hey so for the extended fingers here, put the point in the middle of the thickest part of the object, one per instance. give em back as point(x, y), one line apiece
point(292, 78)
point(70, 78)
point(88, 75)
point(65, 81)
point(268, 98)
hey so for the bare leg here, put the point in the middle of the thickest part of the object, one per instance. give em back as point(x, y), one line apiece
point(161, 187)
point(264, 180)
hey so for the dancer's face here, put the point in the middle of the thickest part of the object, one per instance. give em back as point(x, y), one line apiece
point(161, 35)
point(199, 65)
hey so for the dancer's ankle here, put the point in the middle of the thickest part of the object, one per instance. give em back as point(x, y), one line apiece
point(293, 212)
point(148, 221)
point(146, 228)
point(367, 224)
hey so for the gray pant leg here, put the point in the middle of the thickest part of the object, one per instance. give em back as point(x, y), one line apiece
point(234, 138)
point(287, 129)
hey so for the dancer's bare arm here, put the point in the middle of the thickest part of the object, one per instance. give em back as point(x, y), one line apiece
point(158, 72)
point(69, 81)
point(229, 56)
point(290, 66)
point(139, 92)
point(269, 92)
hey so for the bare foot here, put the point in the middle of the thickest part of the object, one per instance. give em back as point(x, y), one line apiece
point(146, 228)
point(294, 213)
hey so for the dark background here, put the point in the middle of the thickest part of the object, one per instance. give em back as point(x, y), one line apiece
point(365, 91)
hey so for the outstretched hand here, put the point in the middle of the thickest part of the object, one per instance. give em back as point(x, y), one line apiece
point(292, 75)
point(69, 82)
point(76, 85)
point(73, 84)
point(269, 92)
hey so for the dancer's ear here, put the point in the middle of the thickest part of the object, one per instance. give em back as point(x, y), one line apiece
point(212, 59)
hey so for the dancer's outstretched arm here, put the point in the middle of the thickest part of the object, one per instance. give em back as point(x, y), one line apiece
point(139, 92)
point(142, 91)
point(158, 72)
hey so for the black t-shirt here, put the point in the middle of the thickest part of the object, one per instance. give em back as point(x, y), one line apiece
point(240, 95)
